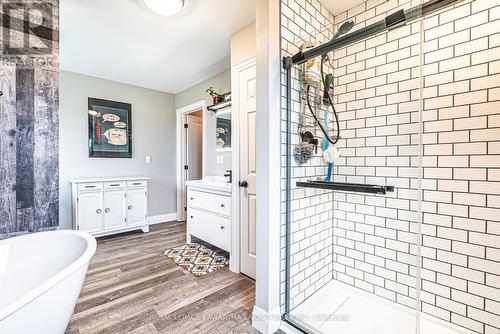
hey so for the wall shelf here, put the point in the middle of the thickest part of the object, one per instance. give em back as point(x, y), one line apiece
point(354, 187)
point(219, 106)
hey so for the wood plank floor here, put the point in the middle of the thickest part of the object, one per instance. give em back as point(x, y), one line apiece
point(131, 287)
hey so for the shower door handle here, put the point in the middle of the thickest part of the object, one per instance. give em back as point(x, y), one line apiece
point(243, 184)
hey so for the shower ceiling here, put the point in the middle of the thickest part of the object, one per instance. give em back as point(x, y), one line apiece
point(338, 6)
point(122, 40)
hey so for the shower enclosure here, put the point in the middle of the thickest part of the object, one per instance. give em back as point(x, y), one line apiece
point(406, 236)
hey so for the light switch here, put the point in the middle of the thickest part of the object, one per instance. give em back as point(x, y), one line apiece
point(148, 159)
point(220, 159)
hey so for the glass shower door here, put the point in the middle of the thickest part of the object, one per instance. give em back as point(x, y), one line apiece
point(405, 236)
point(353, 249)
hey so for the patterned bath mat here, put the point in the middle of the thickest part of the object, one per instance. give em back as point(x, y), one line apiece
point(198, 259)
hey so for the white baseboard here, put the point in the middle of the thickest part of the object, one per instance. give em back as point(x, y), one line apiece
point(168, 217)
point(264, 322)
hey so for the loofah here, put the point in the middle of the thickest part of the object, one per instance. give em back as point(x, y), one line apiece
point(303, 153)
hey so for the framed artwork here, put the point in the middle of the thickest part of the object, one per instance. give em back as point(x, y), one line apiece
point(110, 129)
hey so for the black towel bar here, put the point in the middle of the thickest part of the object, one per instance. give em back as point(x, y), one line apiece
point(355, 187)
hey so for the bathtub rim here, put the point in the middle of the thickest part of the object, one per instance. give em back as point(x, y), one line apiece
point(58, 277)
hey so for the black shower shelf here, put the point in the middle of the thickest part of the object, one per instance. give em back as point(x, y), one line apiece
point(355, 187)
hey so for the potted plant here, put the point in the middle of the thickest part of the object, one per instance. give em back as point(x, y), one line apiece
point(216, 97)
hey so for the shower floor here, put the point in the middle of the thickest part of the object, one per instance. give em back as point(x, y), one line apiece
point(338, 308)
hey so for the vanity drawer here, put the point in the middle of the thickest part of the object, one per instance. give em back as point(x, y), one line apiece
point(90, 186)
point(117, 184)
point(215, 203)
point(137, 183)
point(211, 228)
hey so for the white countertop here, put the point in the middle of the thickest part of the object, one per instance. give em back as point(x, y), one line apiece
point(109, 179)
point(211, 183)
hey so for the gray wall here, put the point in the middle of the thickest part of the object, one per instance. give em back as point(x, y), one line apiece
point(221, 83)
point(29, 190)
point(153, 126)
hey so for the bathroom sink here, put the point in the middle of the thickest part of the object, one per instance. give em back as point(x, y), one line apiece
point(215, 179)
point(211, 182)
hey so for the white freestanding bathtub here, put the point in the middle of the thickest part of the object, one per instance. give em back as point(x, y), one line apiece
point(41, 275)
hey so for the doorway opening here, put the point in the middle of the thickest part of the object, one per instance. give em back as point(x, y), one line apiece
point(194, 145)
point(190, 144)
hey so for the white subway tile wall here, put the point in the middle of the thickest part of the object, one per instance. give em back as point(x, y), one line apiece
point(371, 242)
point(312, 210)
point(457, 205)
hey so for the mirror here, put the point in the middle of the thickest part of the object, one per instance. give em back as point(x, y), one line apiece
point(223, 130)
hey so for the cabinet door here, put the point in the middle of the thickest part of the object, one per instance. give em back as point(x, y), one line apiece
point(136, 206)
point(114, 209)
point(211, 228)
point(90, 211)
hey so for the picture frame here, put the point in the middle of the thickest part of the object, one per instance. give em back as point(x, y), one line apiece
point(109, 129)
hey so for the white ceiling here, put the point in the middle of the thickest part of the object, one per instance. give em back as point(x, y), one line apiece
point(339, 6)
point(123, 41)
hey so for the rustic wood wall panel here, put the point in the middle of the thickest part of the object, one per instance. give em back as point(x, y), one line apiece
point(29, 131)
point(7, 148)
point(46, 150)
point(25, 119)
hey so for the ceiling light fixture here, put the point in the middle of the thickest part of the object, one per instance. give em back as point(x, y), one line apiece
point(165, 7)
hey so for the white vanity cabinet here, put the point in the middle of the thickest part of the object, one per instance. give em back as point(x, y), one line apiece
point(209, 215)
point(108, 206)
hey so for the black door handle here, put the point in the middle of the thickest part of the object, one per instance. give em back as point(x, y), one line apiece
point(243, 184)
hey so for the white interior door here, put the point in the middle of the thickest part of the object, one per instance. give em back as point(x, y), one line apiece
point(194, 148)
point(247, 112)
point(114, 209)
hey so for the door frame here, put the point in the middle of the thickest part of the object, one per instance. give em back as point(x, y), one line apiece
point(181, 119)
point(235, 260)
